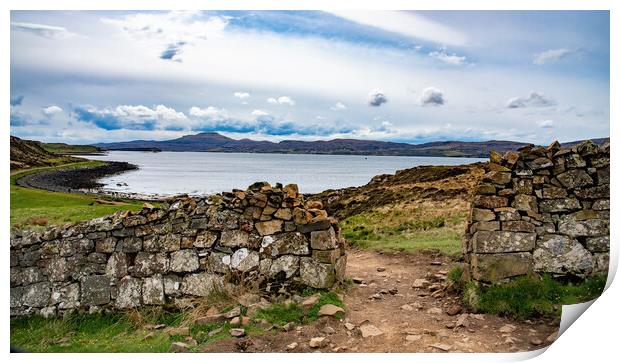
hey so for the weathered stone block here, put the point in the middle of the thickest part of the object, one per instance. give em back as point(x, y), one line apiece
point(95, 290)
point(560, 254)
point(490, 201)
point(597, 244)
point(218, 262)
point(67, 297)
point(495, 267)
point(107, 245)
point(601, 204)
point(575, 178)
point(507, 214)
point(201, 284)
point(244, 260)
point(586, 228)
point(559, 205)
point(314, 226)
point(593, 193)
point(518, 226)
point(497, 177)
point(129, 293)
point(234, 238)
point(323, 240)
point(525, 202)
point(205, 239)
point(287, 265)
point(184, 261)
point(500, 241)
point(147, 264)
point(316, 274)
point(117, 265)
point(485, 226)
point(37, 295)
point(485, 189)
point(601, 262)
point(288, 243)
point(58, 269)
point(478, 214)
point(153, 290)
point(269, 227)
point(522, 186)
point(327, 256)
point(553, 193)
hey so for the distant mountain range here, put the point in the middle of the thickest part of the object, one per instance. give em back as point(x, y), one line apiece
point(214, 142)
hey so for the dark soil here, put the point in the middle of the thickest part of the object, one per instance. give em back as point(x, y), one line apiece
point(74, 180)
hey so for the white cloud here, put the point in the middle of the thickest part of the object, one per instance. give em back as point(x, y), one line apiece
point(545, 124)
point(42, 30)
point(376, 98)
point(452, 59)
point(408, 24)
point(432, 96)
point(51, 110)
point(242, 95)
point(339, 106)
point(210, 111)
point(282, 100)
point(535, 99)
point(552, 55)
point(259, 113)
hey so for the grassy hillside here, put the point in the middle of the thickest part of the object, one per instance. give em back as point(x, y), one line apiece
point(66, 149)
point(32, 208)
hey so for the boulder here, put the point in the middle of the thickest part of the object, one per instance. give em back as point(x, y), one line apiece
point(561, 254)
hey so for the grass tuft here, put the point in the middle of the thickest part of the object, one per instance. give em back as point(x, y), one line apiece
point(533, 295)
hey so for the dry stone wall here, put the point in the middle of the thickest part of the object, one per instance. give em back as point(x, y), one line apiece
point(543, 209)
point(268, 237)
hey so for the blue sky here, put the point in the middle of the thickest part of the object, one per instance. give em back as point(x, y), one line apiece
point(86, 77)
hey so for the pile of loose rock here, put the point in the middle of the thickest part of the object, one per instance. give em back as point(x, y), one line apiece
point(543, 209)
point(265, 237)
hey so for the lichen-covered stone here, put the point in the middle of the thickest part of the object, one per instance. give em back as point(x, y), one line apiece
point(517, 226)
point(37, 295)
point(205, 239)
point(497, 177)
point(218, 262)
point(597, 244)
point(502, 241)
point(117, 265)
point(585, 228)
point(269, 227)
point(153, 290)
point(561, 254)
point(559, 205)
point(495, 267)
point(95, 290)
point(288, 243)
point(147, 264)
point(288, 265)
point(490, 201)
point(316, 274)
point(244, 260)
point(234, 238)
point(201, 284)
point(575, 178)
point(184, 261)
point(478, 214)
point(129, 293)
point(525, 202)
point(323, 240)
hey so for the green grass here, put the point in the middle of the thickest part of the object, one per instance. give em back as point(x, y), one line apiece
point(126, 331)
point(405, 230)
point(35, 207)
point(61, 148)
point(533, 295)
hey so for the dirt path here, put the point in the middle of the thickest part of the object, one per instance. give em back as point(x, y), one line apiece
point(407, 318)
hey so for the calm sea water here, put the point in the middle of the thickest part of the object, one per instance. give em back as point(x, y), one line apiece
point(168, 173)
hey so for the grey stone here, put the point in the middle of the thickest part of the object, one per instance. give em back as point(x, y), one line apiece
point(147, 264)
point(37, 295)
point(201, 284)
point(495, 267)
point(601, 204)
point(234, 238)
point(95, 290)
point(293, 243)
point(68, 297)
point(517, 226)
point(129, 293)
point(244, 260)
point(316, 274)
point(106, 245)
point(593, 193)
point(117, 265)
point(205, 239)
point(501, 241)
point(287, 264)
point(601, 261)
point(575, 178)
point(153, 290)
point(314, 226)
point(559, 205)
point(497, 177)
point(525, 202)
point(561, 254)
point(218, 262)
point(172, 285)
point(323, 240)
point(586, 228)
point(553, 193)
point(597, 244)
point(184, 261)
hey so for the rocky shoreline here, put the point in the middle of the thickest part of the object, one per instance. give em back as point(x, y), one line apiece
point(82, 180)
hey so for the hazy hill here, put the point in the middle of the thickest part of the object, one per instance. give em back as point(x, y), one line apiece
point(212, 141)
